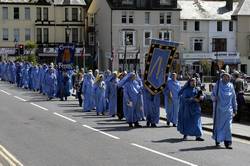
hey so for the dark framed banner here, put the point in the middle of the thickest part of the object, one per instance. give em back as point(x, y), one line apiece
point(65, 57)
point(158, 63)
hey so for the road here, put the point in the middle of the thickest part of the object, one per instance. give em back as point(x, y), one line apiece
point(57, 133)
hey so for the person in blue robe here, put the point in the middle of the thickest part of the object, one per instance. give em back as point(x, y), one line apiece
point(151, 104)
point(19, 74)
point(225, 107)
point(25, 77)
point(87, 90)
point(139, 80)
point(111, 93)
point(133, 100)
point(99, 91)
point(42, 78)
point(50, 82)
point(35, 78)
point(64, 87)
point(189, 117)
point(12, 71)
point(172, 106)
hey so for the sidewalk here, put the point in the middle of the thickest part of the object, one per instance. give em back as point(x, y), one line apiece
point(238, 130)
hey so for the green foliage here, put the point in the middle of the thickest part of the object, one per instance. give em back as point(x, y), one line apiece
point(206, 67)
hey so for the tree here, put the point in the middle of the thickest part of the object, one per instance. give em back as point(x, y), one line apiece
point(30, 47)
point(206, 67)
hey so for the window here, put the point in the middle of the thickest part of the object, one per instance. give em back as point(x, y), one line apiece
point(131, 17)
point(66, 14)
point(147, 37)
point(27, 13)
point(124, 17)
point(46, 35)
point(196, 25)
point(91, 20)
point(17, 34)
point(219, 26)
point(231, 26)
point(127, 2)
point(165, 35)
point(5, 13)
point(74, 14)
point(75, 35)
point(165, 2)
point(38, 14)
point(184, 25)
point(128, 38)
point(27, 34)
point(5, 34)
point(91, 38)
point(45, 14)
point(147, 18)
point(161, 18)
point(16, 13)
point(198, 44)
point(39, 35)
point(219, 44)
point(169, 16)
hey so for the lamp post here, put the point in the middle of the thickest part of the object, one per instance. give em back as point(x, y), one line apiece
point(68, 31)
point(126, 42)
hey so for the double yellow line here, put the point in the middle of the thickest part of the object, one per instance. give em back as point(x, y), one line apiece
point(7, 159)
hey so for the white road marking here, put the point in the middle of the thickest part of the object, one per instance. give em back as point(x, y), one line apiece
point(5, 92)
point(164, 155)
point(72, 120)
point(20, 98)
point(39, 106)
point(99, 131)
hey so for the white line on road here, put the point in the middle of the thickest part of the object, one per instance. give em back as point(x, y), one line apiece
point(20, 98)
point(164, 155)
point(99, 131)
point(5, 92)
point(39, 106)
point(72, 120)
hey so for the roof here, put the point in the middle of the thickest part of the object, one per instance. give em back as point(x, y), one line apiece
point(56, 2)
point(243, 8)
point(205, 10)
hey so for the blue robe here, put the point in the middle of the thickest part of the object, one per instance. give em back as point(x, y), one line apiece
point(42, 79)
point(189, 117)
point(87, 91)
point(19, 74)
point(226, 106)
point(111, 95)
point(132, 93)
point(99, 91)
point(172, 106)
point(35, 78)
point(151, 104)
point(25, 74)
point(50, 83)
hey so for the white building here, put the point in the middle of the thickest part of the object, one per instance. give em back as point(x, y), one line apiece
point(209, 34)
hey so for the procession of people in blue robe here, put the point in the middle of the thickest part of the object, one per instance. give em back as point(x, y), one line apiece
point(102, 92)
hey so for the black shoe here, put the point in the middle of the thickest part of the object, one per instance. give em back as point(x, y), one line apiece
point(113, 116)
point(217, 144)
point(137, 125)
point(148, 124)
point(130, 124)
point(168, 123)
point(153, 125)
point(199, 139)
point(229, 147)
point(184, 137)
point(103, 113)
point(174, 125)
point(97, 114)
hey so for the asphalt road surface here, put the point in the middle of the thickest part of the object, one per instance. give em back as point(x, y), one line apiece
point(57, 133)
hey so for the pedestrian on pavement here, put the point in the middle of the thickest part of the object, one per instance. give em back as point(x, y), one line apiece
point(239, 91)
point(99, 92)
point(111, 93)
point(151, 105)
point(189, 117)
point(87, 91)
point(172, 109)
point(225, 108)
point(133, 100)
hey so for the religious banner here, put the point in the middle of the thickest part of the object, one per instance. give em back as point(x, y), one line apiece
point(65, 57)
point(158, 63)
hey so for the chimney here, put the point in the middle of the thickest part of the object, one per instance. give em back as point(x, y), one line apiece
point(229, 5)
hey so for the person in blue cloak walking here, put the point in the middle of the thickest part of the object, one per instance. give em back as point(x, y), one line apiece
point(111, 93)
point(225, 107)
point(133, 100)
point(189, 117)
point(151, 104)
point(19, 74)
point(25, 74)
point(99, 91)
point(65, 85)
point(87, 90)
point(50, 82)
point(172, 106)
